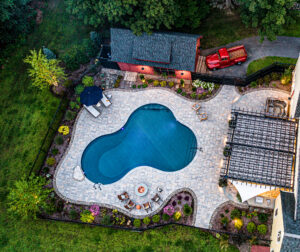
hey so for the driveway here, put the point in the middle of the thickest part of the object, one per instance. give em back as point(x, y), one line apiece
point(282, 47)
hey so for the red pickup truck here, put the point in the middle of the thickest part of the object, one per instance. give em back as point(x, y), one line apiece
point(226, 57)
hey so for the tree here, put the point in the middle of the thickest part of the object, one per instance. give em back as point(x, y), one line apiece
point(28, 197)
point(269, 16)
point(139, 16)
point(44, 72)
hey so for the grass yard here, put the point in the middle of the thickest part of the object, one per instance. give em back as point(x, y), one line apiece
point(25, 114)
point(266, 61)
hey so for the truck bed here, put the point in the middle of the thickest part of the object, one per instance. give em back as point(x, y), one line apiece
point(233, 54)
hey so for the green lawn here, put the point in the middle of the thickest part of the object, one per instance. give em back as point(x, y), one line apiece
point(25, 114)
point(266, 61)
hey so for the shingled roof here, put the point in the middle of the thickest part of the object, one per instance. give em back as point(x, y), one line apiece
point(160, 49)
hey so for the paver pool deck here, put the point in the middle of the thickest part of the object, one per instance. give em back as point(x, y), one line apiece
point(201, 175)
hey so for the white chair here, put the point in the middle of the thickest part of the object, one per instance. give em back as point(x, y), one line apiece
point(94, 112)
point(106, 102)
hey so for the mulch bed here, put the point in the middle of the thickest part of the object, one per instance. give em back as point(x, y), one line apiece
point(273, 84)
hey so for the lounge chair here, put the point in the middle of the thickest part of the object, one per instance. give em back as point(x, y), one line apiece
point(94, 112)
point(130, 205)
point(124, 196)
point(147, 206)
point(196, 106)
point(156, 199)
point(202, 116)
point(106, 102)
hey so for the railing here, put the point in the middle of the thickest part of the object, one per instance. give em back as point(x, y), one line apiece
point(49, 136)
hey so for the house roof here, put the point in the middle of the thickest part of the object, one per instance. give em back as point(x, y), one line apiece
point(160, 49)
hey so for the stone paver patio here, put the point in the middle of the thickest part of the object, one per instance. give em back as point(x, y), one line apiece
point(201, 175)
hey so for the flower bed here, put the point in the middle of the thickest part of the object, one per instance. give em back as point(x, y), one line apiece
point(248, 221)
point(198, 90)
point(182, 205)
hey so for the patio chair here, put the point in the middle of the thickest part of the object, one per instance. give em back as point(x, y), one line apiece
point(156, 198)
point(196, 106)
point(147, 206)
point(130, 205)
point(106, 102)
point(124, 196)
point(202, 116)
point(94, 112)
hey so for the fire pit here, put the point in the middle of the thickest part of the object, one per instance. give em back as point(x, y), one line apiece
point(141, 189)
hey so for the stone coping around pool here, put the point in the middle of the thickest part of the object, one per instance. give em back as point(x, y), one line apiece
point(203, 183)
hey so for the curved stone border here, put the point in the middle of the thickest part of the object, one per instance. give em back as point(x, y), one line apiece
point(168, 89)
point(259, 89)
point(241, 205)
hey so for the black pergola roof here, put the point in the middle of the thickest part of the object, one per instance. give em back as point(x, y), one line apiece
point(261, 149)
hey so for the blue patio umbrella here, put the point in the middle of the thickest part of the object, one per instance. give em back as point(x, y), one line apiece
point(91, 95)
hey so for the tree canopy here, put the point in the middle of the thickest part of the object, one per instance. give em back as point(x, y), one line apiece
point(269, 16)
point(140, 16)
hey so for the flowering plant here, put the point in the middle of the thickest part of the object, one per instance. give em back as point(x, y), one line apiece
point(205, 85)
point(64, 130)
point(177, 216)
point(95, 210)
point(169, 210)
point(87, 216)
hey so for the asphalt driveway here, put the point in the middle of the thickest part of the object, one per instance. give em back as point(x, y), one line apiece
point(282, 47)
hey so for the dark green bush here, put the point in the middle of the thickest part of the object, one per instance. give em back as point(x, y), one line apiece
point(59, 140)
point(183, 93)
point(145, 85)
point(260, 81)
point(79, 89)
point(137, 223)
point(193, 95)
point(54, 151)
point(275, 76)
point(165, 217)
point(133, 86)
point(179, 90)
point(74, 105)
point(251, 227)
point(139, 86)
point(235, 213)
point(226, 211)
point(73, 214)
point(106, 220)
point(262, 229)
point(222, 182)
point(267, 79)
point(50, 161)
point(187, 210)
point(156, 218)
point(181, 81)
point(78, 100)
point(147, 221)
point(263, 217)
point(142, 77)
point(224, 220)
point(194, 89)
point(88, 81)
point(149, 81)
point(253, 84)
point(60, 206)
point(70, 115)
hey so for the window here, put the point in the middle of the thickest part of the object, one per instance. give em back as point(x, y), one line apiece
point(276, 211)
point(225, 59)
point(278, 236)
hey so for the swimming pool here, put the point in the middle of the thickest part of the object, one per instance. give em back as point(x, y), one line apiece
point(151, 137)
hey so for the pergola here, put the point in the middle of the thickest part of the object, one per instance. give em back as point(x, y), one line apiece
point(260, 149)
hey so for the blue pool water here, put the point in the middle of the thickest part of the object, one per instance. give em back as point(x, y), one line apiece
point(150, 137)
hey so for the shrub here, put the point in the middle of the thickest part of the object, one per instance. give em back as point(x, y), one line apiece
point(194, 89)
point(251, 227)
point(222, 215)
point(86, 216)
point(181, 82)
point(51, 161)
point(171, 84)
point(187, 210)
point(163, 83)
point(262, 229)
point(254, 213)
point(253, 84)
point(70, 115)
point(224, 221)
point(222, 182)
point(87, 81)
point(63, 129)
point(133, 86)
point(165, 217)
point(139, 86)
point(199, 96)
point(243, 213)
point(142, 77)
point(238, 196)
point(235, 213)
point(238, 223)
point(68, 83)
point(275, 76)
point(260, 81)
point(149, 81)
point(59, 140)
point(27, 197)
point(74, 105)
point(145, 85)
point(226, 211)
point(54, 151)
point(79, 89)
point(73, 214)
point(156, 218)
point(78, 100)
point(179, 90)
point(106, 220)
point(177, 216)
point(263, 217)
point(249, 216)
point(183, 93)
point(137, 223)
point(146, 220)
point(193, 95)
point(156, 83)
point(267, 79)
